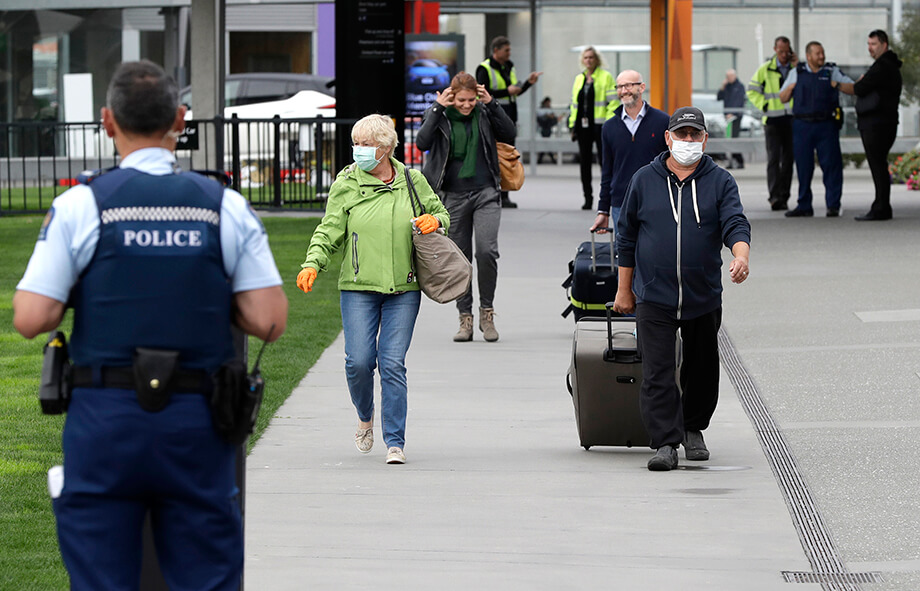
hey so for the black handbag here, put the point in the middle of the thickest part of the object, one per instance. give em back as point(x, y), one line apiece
point(441, 269)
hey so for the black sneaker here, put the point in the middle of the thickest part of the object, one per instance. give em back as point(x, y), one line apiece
point(694, 447)
point(509, 204)
point(778, 206)
point(833, 213)
point(664, 460)
point(800, 213)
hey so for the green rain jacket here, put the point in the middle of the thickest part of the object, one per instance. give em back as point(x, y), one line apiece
point(373, 222)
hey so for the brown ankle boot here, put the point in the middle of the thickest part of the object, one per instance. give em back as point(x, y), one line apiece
point(487, 324)
point(465, 333)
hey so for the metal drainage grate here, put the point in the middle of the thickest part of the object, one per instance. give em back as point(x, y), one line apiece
point(800, 577)
point(820, 550)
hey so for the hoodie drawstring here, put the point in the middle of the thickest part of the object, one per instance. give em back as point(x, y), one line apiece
point(696, 207)
point(676, 209)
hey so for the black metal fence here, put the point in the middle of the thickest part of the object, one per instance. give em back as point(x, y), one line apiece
point(274, 163)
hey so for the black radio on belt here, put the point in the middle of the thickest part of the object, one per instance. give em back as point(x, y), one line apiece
point(237, 398)
point(56, 382)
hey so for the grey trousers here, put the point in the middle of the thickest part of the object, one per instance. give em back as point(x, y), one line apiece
point(474, 221)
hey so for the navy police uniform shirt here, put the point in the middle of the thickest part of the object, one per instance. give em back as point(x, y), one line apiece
point(813, 94)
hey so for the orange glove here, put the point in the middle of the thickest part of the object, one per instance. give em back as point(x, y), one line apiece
point(306, 278)
point(427, 223)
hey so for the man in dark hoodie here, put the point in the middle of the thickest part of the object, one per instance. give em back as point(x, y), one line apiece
point(878, 93)
point(678, 212)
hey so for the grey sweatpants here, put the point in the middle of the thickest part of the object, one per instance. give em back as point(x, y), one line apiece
point(474, 221)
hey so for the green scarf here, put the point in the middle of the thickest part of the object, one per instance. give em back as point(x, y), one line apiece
point(464, 147)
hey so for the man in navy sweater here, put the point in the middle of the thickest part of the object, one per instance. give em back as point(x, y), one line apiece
point(630, 139)
point(678, 212)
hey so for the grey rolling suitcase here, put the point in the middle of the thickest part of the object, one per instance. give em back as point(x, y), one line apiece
point(604, 380)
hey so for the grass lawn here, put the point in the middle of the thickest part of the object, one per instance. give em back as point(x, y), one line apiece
point(30, 442)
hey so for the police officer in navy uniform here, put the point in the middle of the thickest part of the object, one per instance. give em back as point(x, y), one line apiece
point(814, 88)
point(149, 257)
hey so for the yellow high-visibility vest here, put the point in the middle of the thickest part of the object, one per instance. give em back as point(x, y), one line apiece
point(763, 91)
point(606, 99)
point(496, 82)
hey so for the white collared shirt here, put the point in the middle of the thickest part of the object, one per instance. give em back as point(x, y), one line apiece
point(633, 124)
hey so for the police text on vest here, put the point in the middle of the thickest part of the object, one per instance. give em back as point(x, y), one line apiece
point(146, 238)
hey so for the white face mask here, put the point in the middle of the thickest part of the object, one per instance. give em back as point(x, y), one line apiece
point(686, 153)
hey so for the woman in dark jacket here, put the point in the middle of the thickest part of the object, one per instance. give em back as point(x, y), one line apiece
point(459, 132)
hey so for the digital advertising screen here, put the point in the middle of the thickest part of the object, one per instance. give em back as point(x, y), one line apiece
point(431, 62)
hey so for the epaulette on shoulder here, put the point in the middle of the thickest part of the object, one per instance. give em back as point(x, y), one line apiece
point(88, 176)
point(830, 64)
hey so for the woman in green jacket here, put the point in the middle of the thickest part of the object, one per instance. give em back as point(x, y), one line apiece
point(594, 98)
point(370, 214)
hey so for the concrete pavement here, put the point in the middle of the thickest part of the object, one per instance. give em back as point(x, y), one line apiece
point(498, 494)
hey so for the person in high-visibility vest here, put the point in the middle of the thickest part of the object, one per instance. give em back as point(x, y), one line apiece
point(497, 74)
point(763, 92)
point(594, 98)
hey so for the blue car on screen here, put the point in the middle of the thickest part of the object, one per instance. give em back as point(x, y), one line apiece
point(427, 75)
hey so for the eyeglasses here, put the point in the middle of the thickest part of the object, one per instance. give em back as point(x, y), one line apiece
point(627, 85)
point(684, 133)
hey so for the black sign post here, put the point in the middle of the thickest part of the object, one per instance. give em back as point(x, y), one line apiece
point(370, 66)
point(189, 138)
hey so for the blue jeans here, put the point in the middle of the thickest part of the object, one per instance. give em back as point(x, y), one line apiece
point(378, 329)
point(614, 218)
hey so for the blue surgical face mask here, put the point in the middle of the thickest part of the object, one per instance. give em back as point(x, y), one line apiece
point(364, 157)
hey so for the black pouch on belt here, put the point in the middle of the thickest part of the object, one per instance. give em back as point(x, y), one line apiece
point(228, 402)
point(154, 376)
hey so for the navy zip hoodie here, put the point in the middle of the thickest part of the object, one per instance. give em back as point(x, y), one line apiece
point(674, 241)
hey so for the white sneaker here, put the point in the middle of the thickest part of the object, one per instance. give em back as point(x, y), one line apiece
point(364, 440)
point(395, 456)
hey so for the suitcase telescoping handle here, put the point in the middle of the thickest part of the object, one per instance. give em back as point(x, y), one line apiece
point(610, 354)
point(612, 246)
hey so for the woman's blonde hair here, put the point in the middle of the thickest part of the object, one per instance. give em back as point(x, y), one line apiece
point(377, 128)
point(601, 63)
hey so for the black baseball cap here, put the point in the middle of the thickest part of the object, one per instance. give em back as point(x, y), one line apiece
point(687, 117)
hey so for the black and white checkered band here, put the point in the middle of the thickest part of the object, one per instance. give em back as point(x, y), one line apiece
point(160, 214)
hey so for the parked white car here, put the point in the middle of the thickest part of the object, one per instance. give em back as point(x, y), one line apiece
point(297, 140)
point(303, 105)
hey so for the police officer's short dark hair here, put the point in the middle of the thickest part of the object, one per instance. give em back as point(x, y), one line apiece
point(782, 38)
point(500, 42)
point(142, 98)
point(881, 35)
point(812, 44)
